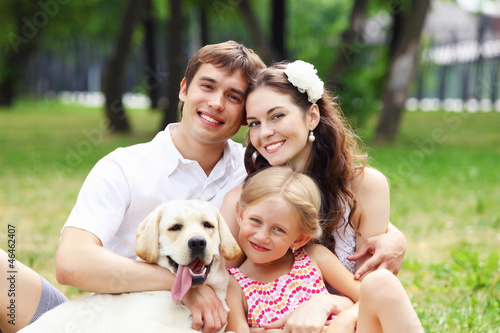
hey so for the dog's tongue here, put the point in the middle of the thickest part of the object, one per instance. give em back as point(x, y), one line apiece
point(182, 283)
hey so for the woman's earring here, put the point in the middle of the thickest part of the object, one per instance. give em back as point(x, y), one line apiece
point(293, 249)
point(311, 136)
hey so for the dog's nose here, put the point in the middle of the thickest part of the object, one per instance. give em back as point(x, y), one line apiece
point(197, 244)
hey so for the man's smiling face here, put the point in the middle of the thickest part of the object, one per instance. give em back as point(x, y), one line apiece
point(213, 104)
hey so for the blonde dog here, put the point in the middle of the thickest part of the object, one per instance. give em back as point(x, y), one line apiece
point(187, 237)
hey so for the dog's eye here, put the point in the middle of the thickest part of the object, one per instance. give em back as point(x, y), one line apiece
point(175, 227)
point(208, 225)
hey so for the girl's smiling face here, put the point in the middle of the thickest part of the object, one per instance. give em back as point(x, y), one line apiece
point(268, 229)
point(279, 129)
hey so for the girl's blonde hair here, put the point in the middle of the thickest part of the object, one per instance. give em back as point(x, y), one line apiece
point(298, 190)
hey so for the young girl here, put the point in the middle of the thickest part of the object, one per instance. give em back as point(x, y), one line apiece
point(278, 217)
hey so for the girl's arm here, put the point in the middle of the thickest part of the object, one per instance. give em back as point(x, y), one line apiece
point(237, 318)
point(311, 316)
point(333, 271)
point(371, 218)
point(339, 277)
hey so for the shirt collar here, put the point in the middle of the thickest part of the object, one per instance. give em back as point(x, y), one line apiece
point(226, 165)
point(174, 157)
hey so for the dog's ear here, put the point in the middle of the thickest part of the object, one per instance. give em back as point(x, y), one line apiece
point(146, 237)
point(229, 247)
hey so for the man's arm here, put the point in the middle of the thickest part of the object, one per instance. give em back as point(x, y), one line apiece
point(82, 262)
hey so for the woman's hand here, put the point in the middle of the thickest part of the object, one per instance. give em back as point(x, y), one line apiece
point(311, 316)
point(386, 250)
point(207, 309)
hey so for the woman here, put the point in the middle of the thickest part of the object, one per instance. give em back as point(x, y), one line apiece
point(293, 121)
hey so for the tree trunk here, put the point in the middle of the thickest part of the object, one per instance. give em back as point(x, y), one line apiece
point(15, 65)
point(114, 74)
point(494, 80)
point(175, 62)
point(400, 71)
point(263, 47)
point(22, 45)
point(443, 78)
point(479, 85)
point(398, 27)
point(466, 68)
point(349, 46)
point(150, 50)
point(204, 35)
point(278, 25)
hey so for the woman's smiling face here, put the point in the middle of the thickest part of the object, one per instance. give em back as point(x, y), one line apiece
point(278, 128)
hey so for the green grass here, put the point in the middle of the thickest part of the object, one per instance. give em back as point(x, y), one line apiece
point(445, 190)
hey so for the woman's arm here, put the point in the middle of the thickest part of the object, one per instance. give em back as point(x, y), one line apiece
point(371, 217)
point(228, 211)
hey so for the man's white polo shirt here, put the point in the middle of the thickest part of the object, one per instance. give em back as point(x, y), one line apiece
point(126, 185)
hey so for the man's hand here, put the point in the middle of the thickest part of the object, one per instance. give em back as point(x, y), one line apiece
point(206, 308)
point(386, 250)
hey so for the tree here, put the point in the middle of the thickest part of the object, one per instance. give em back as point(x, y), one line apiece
point(273, 48)
point(278, 27)
point(113, 75)
point(349, 44)
point(257, 34)
point(404, 48)
point(150, 50)
point(28, 21)
point(204, 33)
point(175, 62)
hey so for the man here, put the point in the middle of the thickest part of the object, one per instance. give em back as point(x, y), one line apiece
point(193, 159)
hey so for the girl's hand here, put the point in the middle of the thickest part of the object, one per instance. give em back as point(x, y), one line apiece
point(311, 316)
point(263, 330)
point(345, 321)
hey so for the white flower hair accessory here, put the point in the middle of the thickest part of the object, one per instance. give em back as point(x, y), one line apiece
point(303, 76)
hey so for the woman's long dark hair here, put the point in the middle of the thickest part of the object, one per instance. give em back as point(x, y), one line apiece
point(335, 159)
